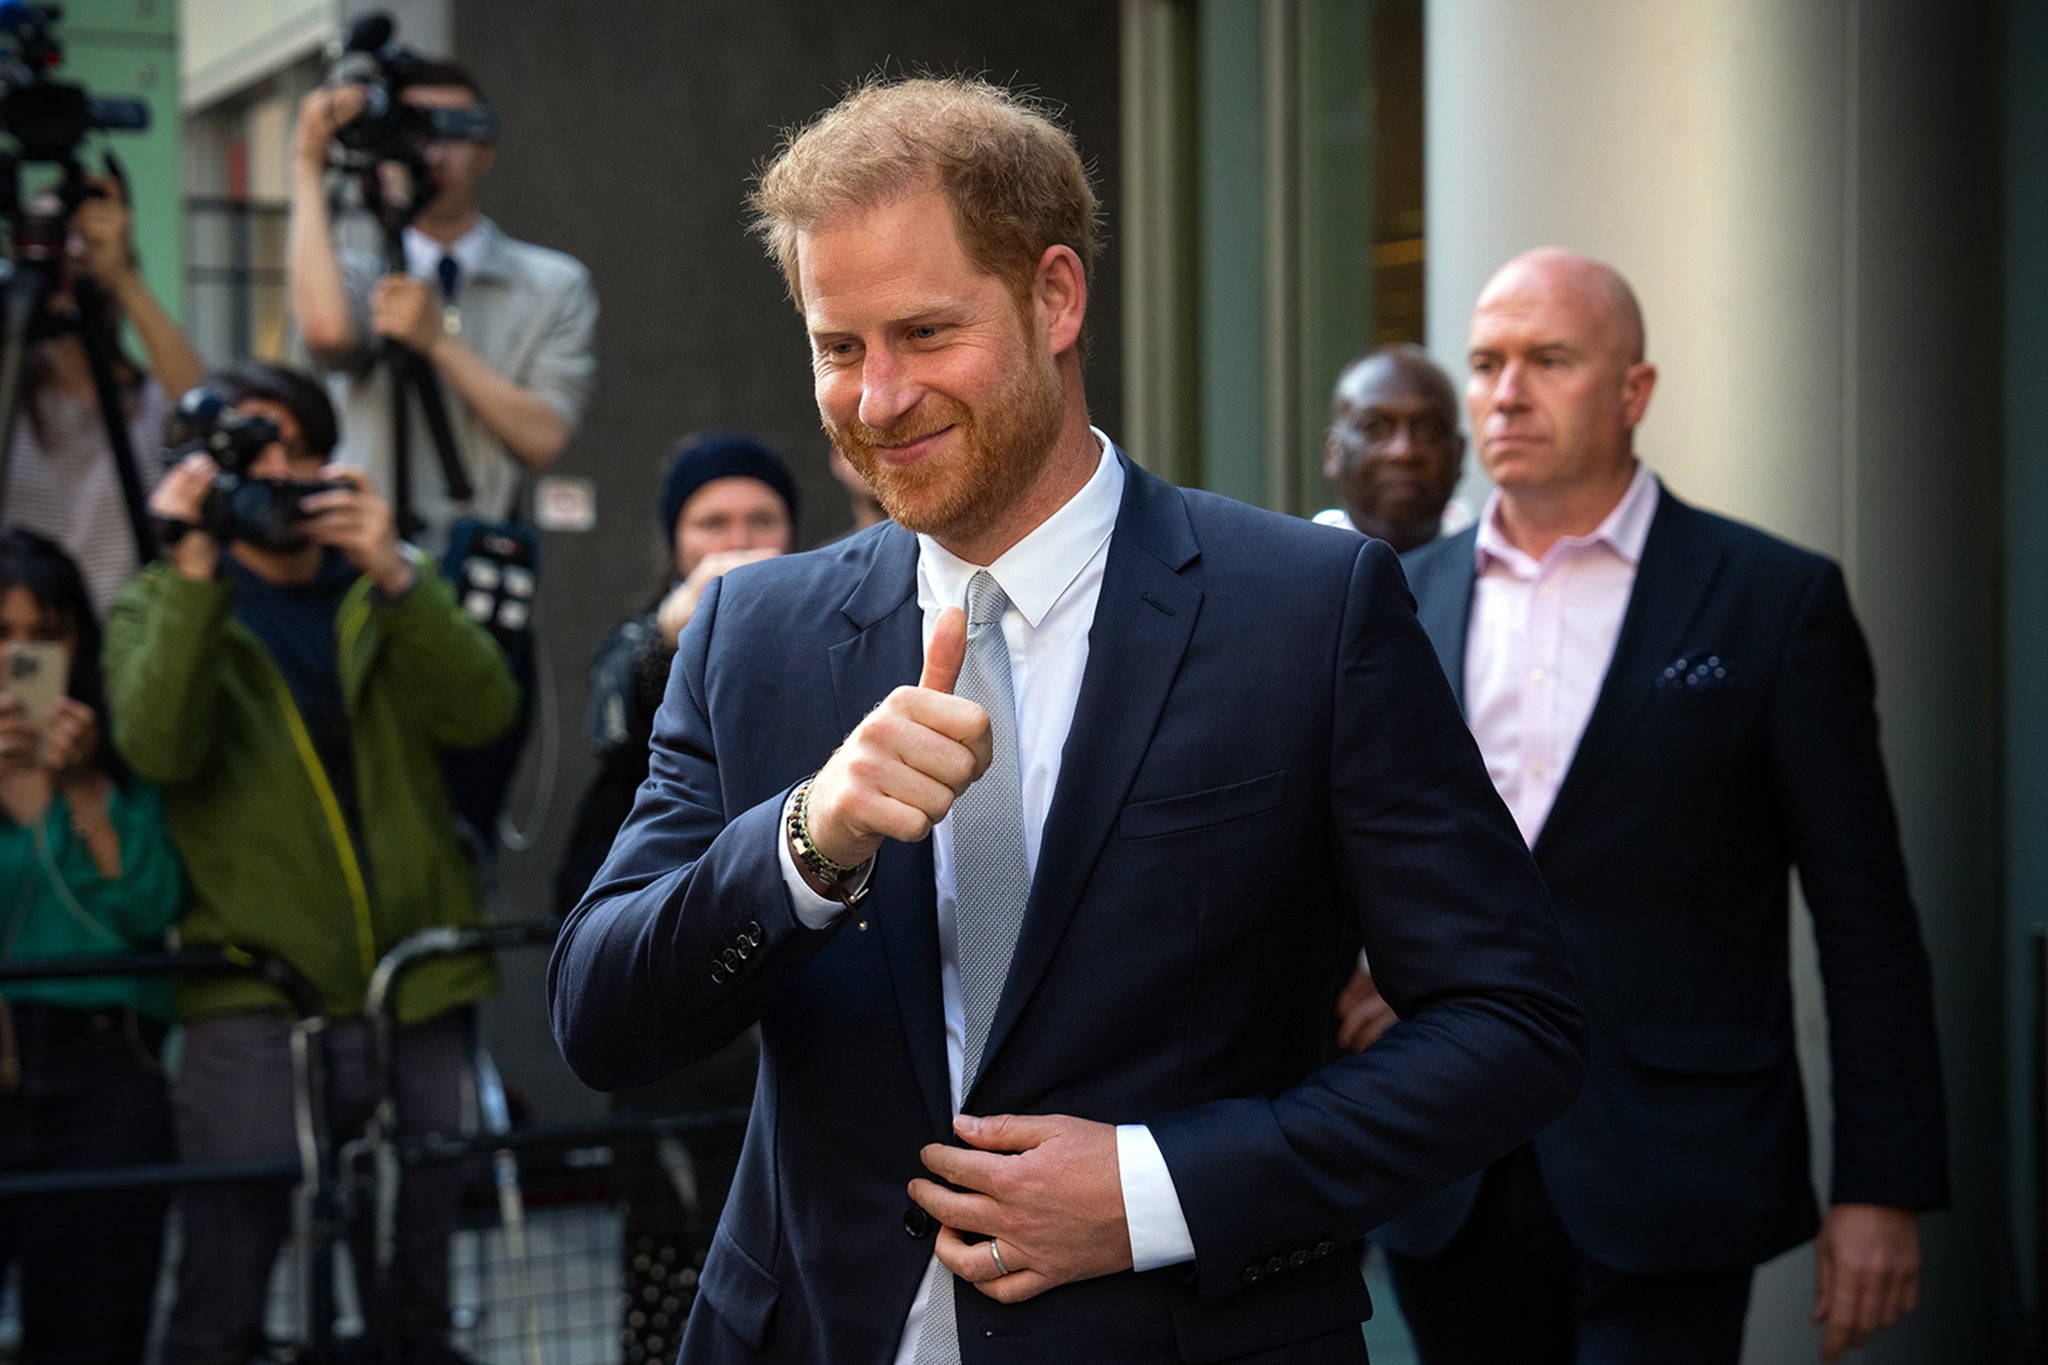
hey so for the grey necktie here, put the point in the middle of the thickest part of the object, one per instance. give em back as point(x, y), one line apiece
point(990, 883)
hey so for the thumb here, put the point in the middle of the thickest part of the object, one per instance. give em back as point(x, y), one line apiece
point(1006, 1132)
point(1823, 1278)
point(947, 651)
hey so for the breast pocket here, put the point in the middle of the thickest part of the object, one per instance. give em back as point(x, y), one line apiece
point(1202, 809)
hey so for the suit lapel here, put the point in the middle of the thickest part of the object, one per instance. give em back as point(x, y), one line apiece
point(1672, 585)
point(1143, 621)
point(887, 653)
point(1442, 584)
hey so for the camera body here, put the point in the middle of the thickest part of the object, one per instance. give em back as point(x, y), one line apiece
point(256, 511)
point(47, 118)
point(390, 129)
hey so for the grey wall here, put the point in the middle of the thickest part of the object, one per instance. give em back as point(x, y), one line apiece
point(630, 132)
point(1806, 198)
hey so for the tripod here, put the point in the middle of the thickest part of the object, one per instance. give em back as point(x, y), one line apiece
point(412, 375)
point(30, 279)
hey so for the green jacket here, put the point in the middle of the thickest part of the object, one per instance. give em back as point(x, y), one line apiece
point(56, 903)
point(199, 707)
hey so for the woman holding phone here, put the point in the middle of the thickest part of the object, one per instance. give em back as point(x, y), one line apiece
point(86, 867)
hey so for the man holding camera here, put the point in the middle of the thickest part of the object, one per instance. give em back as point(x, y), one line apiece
point(506, 326)
point(291, 689)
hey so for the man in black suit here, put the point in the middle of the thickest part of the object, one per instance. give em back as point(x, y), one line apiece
point(1677, 710)
point(1037, 915)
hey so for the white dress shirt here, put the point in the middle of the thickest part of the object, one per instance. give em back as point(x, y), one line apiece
point(1453, 520)
point(1053, 578)
point(1541, 636)
point(423, 254)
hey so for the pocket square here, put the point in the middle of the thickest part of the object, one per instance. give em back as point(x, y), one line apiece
point(1697, 668)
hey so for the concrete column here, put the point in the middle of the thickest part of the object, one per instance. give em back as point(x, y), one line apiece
point(1799, 194)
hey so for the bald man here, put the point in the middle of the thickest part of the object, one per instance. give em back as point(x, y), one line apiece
point(1678, 710)
point(1393, 449)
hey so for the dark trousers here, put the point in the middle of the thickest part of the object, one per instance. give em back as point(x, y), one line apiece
point(89, 1097)
point(234, 1099)
point(1512, 1287)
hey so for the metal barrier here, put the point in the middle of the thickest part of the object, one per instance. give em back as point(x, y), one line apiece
point(311, 1168)
point(582, 1297)
point(571, 1173)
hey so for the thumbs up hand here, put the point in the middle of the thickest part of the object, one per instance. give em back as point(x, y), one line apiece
point(904, 765)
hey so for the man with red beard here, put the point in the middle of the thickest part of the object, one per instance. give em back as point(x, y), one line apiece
point(1037, 916)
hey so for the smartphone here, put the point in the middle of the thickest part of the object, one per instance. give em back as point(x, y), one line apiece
point(37, 671)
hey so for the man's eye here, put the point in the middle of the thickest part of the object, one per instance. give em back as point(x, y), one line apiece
point(1378, 429)
point(1428, 428)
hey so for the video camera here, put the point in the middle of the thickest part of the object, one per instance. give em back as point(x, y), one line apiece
point(48, 118)
point(389, 129)
point(260, 512)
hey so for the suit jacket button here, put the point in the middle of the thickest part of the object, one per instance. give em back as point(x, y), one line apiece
point(917, 1223)
point(1298, 1258)
point(754, 931)
point(1324, 1248)
point(1251, 1274)
point(1276, 1265)
point(730, 958)
point(718, 974)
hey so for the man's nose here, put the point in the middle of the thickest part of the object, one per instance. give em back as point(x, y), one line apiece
point(887, 389)
point(1509, 390)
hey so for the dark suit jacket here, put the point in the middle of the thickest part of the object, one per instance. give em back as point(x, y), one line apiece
point(1262, 743)
point(1734, 737)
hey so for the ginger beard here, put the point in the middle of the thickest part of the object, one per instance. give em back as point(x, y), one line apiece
point(1002, 448)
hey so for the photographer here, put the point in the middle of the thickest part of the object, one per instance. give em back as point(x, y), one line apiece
point(291, 693)
point(89, 870)
point(506, 325)
point(61, 480)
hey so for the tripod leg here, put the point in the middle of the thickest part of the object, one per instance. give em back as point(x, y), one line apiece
point(99, 358)
point(21, 298)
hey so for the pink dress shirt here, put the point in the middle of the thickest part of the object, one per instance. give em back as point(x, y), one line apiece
point(1541, 636)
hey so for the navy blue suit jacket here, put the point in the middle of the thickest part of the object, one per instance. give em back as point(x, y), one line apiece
point(1734, 737)
point(1262, 745)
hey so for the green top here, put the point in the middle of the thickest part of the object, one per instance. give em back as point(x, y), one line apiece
point(272, 863)
point(58, 904)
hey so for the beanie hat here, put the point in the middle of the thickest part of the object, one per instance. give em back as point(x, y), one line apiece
point(721, 455)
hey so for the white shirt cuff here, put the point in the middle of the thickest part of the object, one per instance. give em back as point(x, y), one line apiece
point(813, 911)
point(1152, 1213)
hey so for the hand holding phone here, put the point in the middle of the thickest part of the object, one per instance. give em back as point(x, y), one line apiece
point(34, 675)
point(71, 736)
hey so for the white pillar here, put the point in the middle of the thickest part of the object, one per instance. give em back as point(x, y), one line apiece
point(1796, 192)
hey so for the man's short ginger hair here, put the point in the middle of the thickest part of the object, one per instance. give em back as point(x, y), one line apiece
point(1012, 173)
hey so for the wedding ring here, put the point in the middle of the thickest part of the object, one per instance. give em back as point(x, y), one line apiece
point(993, 1251)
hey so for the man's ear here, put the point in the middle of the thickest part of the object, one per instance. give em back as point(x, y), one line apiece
point(1059, 298)
point(1636, 383)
